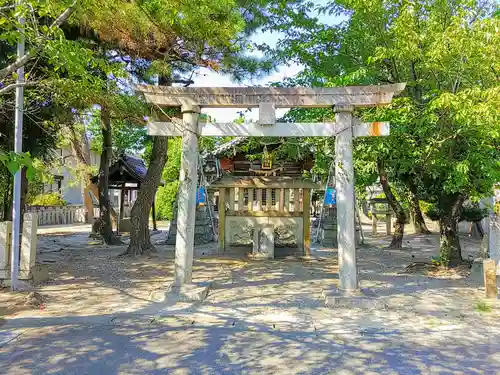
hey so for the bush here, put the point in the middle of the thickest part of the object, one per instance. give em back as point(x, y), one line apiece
point(48, 199)
point(470, 213)
point(473, 213)
point(425, 207)
point(429, 210)
point(165, 199)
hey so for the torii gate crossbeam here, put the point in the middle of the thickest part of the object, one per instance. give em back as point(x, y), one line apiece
point(343, 100)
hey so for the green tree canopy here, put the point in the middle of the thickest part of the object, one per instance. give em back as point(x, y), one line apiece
point(445, 127)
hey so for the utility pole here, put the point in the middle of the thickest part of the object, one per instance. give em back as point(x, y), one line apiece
point(18, 148)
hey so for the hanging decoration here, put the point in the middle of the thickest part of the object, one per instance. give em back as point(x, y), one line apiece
point(267, 159)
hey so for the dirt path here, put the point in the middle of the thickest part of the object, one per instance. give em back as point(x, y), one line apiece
point(261, 317)
point(89, 278)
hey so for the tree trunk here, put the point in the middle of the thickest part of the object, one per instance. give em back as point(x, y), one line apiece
point(140, 242)
point(24, 192)
point(450, 209)
point(7, 199)
point(397, 237)
point(415, 212)
point(80, 147)
point(105, 227)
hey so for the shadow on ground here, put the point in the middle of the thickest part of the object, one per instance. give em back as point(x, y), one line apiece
point(261, 317)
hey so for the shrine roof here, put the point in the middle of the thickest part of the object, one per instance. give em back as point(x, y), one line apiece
point(264, 182)
point(127, 169)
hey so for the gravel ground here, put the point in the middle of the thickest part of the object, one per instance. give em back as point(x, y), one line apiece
point(103, 315)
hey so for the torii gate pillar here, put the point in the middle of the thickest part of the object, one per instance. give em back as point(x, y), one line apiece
point(186, 202)
point(344, 183)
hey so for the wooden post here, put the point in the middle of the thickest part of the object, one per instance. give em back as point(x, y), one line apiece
point(388, 224)
point(490, 278)
point(306, 218)
point(250, 200)
point(122, 202)
point(269, 199)
point(241, 199)
point(186, 217)
point(281, 204)
point(231, 198)
point(222, 218)
point(287, 200)
point(374, 221)
point(259, 199)
point(344, 177)
point(153, 214)
point(296, 200)
point(121, 208)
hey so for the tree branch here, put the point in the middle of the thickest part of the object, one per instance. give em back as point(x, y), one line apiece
point(13, 86)
point(185, 82)
point(31, 54)
point(8, 7)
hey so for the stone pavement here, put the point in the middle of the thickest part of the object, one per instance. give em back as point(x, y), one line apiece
point(268, 317)
point(181, 346)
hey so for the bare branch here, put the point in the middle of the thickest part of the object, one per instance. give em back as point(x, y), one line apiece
point(31, 54)
point(8, 7)
point(13, 86)
point(185, 82)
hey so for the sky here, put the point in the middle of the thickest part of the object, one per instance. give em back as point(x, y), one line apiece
point(208, 78)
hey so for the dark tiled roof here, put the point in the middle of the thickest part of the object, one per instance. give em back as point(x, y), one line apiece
point(134, 166)
point(127, 169)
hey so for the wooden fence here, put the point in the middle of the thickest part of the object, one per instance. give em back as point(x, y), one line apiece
point(58, 215)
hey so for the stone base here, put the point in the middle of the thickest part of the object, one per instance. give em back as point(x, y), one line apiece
point(125, 225)
point(361, 299)
point(189, 292)
point(38, 274)
point(477, 271)
point(259, 256)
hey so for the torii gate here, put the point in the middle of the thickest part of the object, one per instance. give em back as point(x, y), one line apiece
point(342, 99)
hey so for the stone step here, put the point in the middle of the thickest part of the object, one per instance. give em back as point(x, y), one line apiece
point(329, 231)
point(197, 222)
point(329, 219)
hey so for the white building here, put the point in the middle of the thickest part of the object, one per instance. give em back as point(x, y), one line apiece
point(66, 180)
point(70, 185)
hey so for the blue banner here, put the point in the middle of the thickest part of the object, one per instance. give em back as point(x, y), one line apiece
point(200, 196)
point(331, 196)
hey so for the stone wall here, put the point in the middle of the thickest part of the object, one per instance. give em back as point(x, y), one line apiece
point(288, 234)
